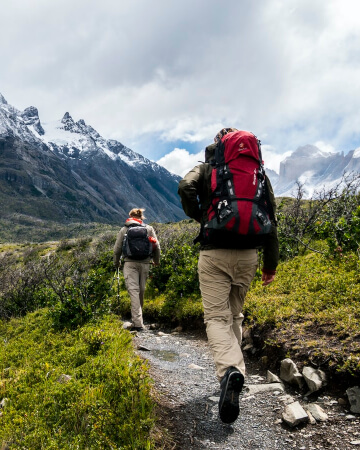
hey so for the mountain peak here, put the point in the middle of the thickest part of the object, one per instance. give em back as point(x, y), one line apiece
point(2, 99)
point(30, 116)
point(67, 118)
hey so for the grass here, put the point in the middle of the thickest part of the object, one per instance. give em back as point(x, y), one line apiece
point(82, 389)
point(313, 310)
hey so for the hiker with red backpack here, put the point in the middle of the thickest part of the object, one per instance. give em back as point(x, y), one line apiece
point(137, 244)
point(232, 199)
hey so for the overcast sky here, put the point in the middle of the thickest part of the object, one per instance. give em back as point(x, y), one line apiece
point(163, 76)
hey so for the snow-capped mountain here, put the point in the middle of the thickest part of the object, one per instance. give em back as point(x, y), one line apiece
point(314, 169)
point(66, 171)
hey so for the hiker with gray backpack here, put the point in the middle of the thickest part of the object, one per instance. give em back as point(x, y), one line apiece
point(232, 199)
point(137, 245)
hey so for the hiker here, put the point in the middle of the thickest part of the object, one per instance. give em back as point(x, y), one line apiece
point(138, 245)
point(228, 260)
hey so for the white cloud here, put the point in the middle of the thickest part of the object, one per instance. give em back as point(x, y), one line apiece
point(327, 148)
point(180, 161)
point(272, 159)
point(288, 71)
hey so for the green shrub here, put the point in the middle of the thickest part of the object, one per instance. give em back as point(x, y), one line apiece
point(83, 389)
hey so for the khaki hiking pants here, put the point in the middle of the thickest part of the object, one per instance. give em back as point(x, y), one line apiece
point(135, 274)
point(225, 276)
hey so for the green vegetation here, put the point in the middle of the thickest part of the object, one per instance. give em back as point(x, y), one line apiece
point(312, 310)
point(72, 389)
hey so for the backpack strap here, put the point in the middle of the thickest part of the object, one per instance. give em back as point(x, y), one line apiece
point(269, 203)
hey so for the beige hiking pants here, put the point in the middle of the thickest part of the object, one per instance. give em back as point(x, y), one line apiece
point(135, 274)
point(225, 276)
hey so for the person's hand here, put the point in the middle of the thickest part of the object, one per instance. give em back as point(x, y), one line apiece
point(267, 278)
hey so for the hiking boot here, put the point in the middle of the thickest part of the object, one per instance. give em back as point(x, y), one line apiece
point(231, 386)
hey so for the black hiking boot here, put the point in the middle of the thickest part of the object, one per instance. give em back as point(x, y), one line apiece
point(231, 386)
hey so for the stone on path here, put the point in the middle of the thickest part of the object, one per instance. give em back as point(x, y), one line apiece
point(145, 349)
point(311, 418)
point(314, 378)
point(272, 378)
point(317, 412)
point(354, 399)
point(289, 372)
point(259, 388)
point(195, 367)
point(295, 414)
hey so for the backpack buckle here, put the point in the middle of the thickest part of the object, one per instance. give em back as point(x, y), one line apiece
point(223, 211)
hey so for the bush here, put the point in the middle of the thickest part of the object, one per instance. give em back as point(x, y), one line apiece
point(83, 389)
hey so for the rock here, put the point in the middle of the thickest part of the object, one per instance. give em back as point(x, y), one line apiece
point(272, 378)
point(295, 414)
point(355, 442)
point(127, 325)
point(289, 372)
point(4, 402)
point(160, 333)
point(178, 329)
point(64, 378)
point(311, 418)
point(195, 367)
point(342, 401)
point(258, 388)
point(154, 326)
point(246, 333)
point(247, 397)
point(317, 412)
point(145, 349)
point(314, 378)
point(214, 399)
point(248, 347)
point(287, 399)
point(354, 399)
point(350, 417)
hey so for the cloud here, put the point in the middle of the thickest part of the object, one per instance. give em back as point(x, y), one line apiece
point(272, 159)
point(176, 72)
point(180, 161)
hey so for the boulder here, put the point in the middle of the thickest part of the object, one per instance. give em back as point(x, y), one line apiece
point(354, 399)
point(289, 373)
point(314, 378)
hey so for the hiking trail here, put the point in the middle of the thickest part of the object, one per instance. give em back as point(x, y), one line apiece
point(183, 371)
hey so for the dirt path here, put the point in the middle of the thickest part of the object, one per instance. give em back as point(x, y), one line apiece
point(183, 370)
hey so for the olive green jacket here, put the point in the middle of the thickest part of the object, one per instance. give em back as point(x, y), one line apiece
point(195, 193)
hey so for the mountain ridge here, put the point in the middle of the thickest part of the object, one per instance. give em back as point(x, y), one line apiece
point(67, 171)
point(314, 169)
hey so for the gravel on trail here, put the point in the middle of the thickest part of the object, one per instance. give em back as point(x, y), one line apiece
point(183, 371)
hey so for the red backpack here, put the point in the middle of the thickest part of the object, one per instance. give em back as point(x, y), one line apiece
point(239, 201)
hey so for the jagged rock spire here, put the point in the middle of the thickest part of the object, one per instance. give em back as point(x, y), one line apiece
point(2, 99)
point(31, 117)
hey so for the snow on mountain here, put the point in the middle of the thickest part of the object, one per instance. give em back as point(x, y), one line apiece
point(91, 177)
point(314, 169)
